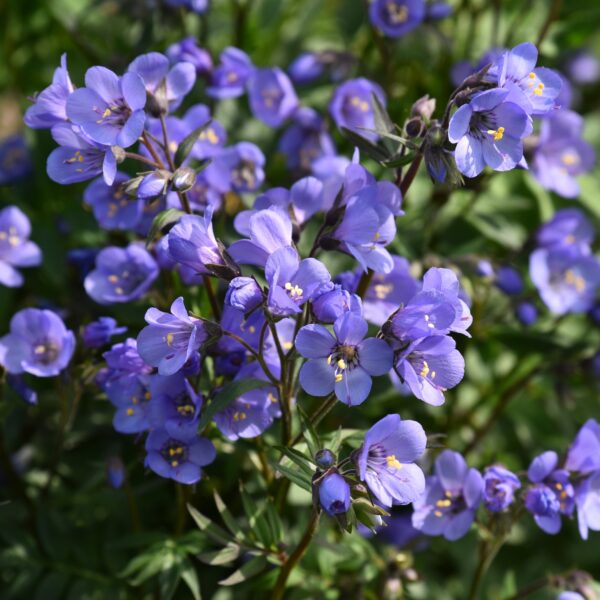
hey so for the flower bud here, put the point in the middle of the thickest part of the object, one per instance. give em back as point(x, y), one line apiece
point(509, 280)
point(328, 307)
point(115, 472)
point(119, 153)
point(424, 107)
point(155, 184)
point(184, 179)
point(527, 313)
point(244, 294)
point(414, 127)
point(325, 458)
point(334, 494)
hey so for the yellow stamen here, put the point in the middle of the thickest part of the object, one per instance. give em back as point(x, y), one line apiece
point(341, 364)
point(393, 462)
point(338, 377)
point(130, 412)
point(425, 369)
point(498, 134)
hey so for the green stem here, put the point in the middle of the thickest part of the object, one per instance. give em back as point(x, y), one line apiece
point(256, 355)
point(212, 298)
point(322, 411)
point(487, 553)
point(552, 16)
point(296, 555)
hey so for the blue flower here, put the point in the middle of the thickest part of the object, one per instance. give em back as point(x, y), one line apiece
point(170, 340)
point(115, 472)
point(244, 294)
point(110, 204)
point(561, 153)
point(78, 158)
point(489, 130)
point(292, 281)
point(16, 250)
point(272, 96)
point(569, 230)
point(197, 6)
point(527, 313)
point(397, 17)
point(179, 457)
point(38, 343)
point(552, 494)
point(351, 106)
point(169, 85)
point(587, 500)
point(330, 306)
point(386, 459)
point(186, 50)
point(509, 280)
point(237, 168)
point(334, 494)
point(15, 160)
point(121, 274)
point(451, 498)
point(109, 109)
point(230, 76)
point(50, 105)
point(306, 68)
point(98, 333)
point(344, 362)
point(499, 488)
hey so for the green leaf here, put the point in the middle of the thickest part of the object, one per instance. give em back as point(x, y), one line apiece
point(190, 578)
point(212, 530)
point(162, 220)
point(256, 520)
point(383, 123)
point(309, 433)
point(274, 521)
point(223, 556)
point(399, 160)
point(294, 475)
point(366, 146)
point(250, 569)
point(226, 396)
point(228, 518)
point(303, 461)
point(185, 147)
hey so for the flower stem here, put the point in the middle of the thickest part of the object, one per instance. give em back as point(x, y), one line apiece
point(295, 556)
point(212, 298)
point(487, 553)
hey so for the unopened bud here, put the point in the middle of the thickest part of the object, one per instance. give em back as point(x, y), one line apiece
point(184, 179)
point(424, 107)
point(119, 153)
point(325, 458)
point(414, 127)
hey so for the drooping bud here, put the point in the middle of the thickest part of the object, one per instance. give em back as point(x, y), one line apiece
point(325, 458)
point(154, 184)
point(244, 294)
point(334, 494)
point(184, 179)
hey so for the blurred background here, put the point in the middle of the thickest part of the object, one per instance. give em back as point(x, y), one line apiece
point(77, 536)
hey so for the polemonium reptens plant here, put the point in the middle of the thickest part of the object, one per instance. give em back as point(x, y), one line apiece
point(296, 269)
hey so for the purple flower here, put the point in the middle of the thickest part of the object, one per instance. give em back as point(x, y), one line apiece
point(306, 68)
point(527, 313)
point(461, 70)
point(430, 366)
point(305, 140)
point(568, 230)
point(388, 291)
point(451, 498)
point(582, 67)
point(584, 454)
point(509, 280)
point(38, 343)
point(489, 130)
point(561, 154)
point(110, 204)
point(334, 494)
point(570, 596)
point(272, 96)
point(397, 17)
point(244, 294)
point(109, 109)
point(385, 460)
point(566, 283)
point(79, 158)
point(292, 281)
point(330, 306)
point(344, 362)
point(98, 333)
point(499, 488)
point(351, 106)
point(16, 250)
point(179, 457)
point(552, 494)
point(252, 413)
point(50, 105)
point(238, 168)
point(192, 243)
point(170, 340)
point(230, 76)
point(121, 274)
point(15, 160)
point(169, 85)
point(534, 90)
point(174, 404)
point(587, 500)
point(269, 230)
point(188, 51)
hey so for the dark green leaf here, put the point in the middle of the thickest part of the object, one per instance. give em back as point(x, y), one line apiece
point(250, 569)
point(309, 433)
point(274, 521)
point(162, 220)
point(399, 160)
point(294, 475)
point(303, 461)
point(256, 520)
point(190, 578)
point(226, 396)
point(383, 123)
point(365, 146)
point(185, 147)
point(212, 530)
